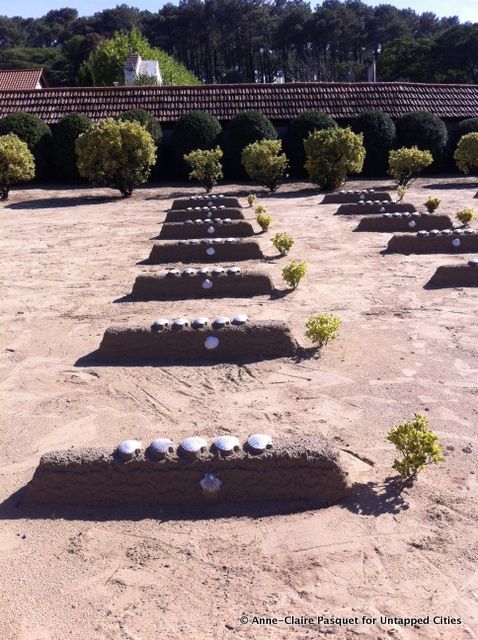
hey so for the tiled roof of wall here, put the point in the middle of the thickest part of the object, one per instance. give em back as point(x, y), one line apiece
point(22, 79)
point(280, 102)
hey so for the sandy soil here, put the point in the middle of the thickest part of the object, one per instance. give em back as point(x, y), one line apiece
point(68, 255)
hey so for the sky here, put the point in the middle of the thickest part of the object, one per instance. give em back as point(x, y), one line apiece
point(464, 9)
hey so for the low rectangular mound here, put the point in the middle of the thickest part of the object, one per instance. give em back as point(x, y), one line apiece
point(355, 196)
point(146, 344)
point(206, 201)
point(193, 283)
point(374, 207)
point(455, 275)
point(184, 230)
point(451, 242)
point(410, 222)
point(302, 469)
point(205, 250)
point(181, 215)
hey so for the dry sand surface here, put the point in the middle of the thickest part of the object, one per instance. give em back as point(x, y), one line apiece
point(98, 575)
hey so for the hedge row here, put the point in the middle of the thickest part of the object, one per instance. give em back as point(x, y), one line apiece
point(55, 158)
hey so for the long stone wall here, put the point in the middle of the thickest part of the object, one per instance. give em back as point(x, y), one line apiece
point(445, 241)
point(411, 222)
point(200, 213)
point(201, 229)
point(369, 208)
point(205, 250)
point(366, 195)
point(206, 200)
point(455, 275)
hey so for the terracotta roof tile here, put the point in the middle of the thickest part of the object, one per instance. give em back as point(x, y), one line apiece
point(280, 102)
point(23, 79)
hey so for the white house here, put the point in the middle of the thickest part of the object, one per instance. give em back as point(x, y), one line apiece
point(135, 67)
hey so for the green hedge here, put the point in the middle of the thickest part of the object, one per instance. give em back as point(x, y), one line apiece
point(379, 138)
point(36, 134)
point(153, 126)
point(193, 130)
point(424, 130)
point(65, 133)
point(244, 129)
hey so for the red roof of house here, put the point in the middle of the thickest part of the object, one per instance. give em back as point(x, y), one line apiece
point(21, 79)
point(280, 102)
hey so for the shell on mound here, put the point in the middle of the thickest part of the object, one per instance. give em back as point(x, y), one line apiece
point(189, 272)
point(241, 318)
point(180, 323)
point(234, 271)
point(217, 271)
point(202, 321)
point(204, 271)
point(221, 321)
point(207, 284)
point(210, 483)
point(160, 324)
point(259, 442)
point(227, 444)
point(193, 445)
point(128, 448)
point(473, 263)
point(161, 446)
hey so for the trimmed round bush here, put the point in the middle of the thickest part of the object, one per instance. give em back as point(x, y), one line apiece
point(423, 130)
point(37, 136)
point(16, 163)
point(244, 129)
point(264, 162)
point(148, 121)
point(470, 125)
point(65, 134)
point(193, 130)
point(298, 130)
point(379, 137)
point(116, 154)
point(466, 154)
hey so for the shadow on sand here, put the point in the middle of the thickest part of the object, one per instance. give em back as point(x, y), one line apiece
point(53, 203)
point(374, 499)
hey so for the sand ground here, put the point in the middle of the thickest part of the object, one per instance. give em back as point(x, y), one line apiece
point(67, 256)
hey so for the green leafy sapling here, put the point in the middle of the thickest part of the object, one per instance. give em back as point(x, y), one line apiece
point(432, 204)
point(416, 443)
point(322, 327)
point(283, 242)
point(466, 215)
point(294, 272)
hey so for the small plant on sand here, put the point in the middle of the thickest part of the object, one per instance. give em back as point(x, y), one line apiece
point(264, 221)
point(466, 154)
point(283, 243)
point(466, 215)
point(205, 166)
point(432, 204)
point(322, 327)
point(406, 164)
point(16, 163)
point(294, 272)
point(416, 443)
point(251, 199)
point(401, 191)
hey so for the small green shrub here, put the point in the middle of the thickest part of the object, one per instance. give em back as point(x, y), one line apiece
point(432, 204)
point(322, 327)
point(16, 163)
point(299, 128)
point(417, 445)
point(264, 162)
point(283, 242)
point(294, 272)
point(65, 134)
point(379, 136)
point(401, 192)
point(424, 130)
point(116, 154)
point(332, 154)
point(405, 164)
point(251, 199)
point(205, 166)
point(466, 215)
point(245, 128)
point(37, 136)
point(193, 130)
point(262, 218)
point(466, 154)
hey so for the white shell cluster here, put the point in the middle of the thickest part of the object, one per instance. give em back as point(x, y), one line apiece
point(180, 323)
point(128, 448)
point(160, 447)
point(221, 321)
point(240, 319)
point(160, 324)
point(199, 322)
point(227, 444)
point(259, 442)
point(208, 241)
point(402, 214)
point(194, 445)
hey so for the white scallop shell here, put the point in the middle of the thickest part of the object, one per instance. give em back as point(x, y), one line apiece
point(259, 441)
point(181, 322)
point(198, 221)
point(221, 206)
point(211, 342)
point(172, 272)
point(202, 321)
point(210, 483)
point(182, 242)
point(233, 271)
point(128, 447)
point(205, 208)
point(456, 242)
point(412, 224)
point(161, 445)
point(240, 319)
point(218, 270)
point(193, 444)
point(207, 284)
point(210, 230)
point(161, 323)
point(189, 208)
point(204, 271)
point(210, 251)
point(189, 272)
point(468, 231)
point(227, 444)
point(382, 209)
point(473, 263)
point(221, 321)
point(227, 220)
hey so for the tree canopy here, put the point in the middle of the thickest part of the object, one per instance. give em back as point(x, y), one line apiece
point(254, 40)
